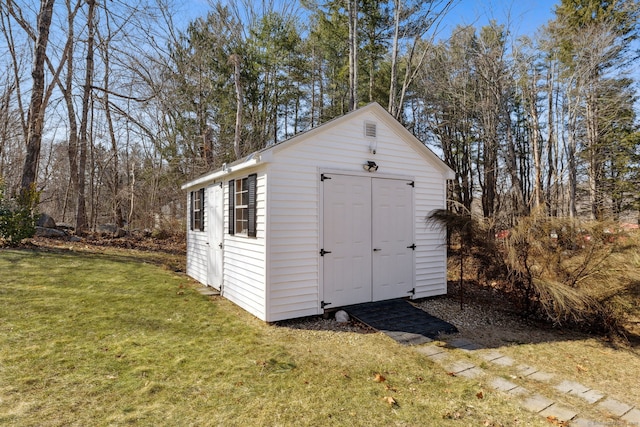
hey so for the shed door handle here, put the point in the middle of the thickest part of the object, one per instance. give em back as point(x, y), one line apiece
point(376, 249)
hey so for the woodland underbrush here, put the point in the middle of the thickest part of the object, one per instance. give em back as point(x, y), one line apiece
point(570, 273)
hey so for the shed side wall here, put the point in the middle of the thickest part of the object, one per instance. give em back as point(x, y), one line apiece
point(244, 281)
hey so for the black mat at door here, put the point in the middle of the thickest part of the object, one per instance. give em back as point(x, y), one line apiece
point(400, 320)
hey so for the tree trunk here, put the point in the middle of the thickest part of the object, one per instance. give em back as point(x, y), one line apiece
point(393, 85)
point(235, 61)
point(595, 156)
point(81, 207)
point(552, 177)
point(352, 7)
point(37, 103)
point(115, 176)
point(536, 141)
point(573, 173)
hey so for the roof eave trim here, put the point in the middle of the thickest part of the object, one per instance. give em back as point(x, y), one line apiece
point(225, 170)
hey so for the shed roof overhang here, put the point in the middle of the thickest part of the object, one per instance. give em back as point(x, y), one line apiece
point(251, 160)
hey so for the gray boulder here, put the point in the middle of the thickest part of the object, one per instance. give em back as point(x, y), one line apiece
point(106, 228)
point(111, 230)
point(49, 232)
point(46, 221)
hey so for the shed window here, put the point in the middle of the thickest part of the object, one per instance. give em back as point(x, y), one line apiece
point(242, 206)
point(197, 210)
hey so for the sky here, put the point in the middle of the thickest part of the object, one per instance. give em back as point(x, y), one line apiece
point(522, 16)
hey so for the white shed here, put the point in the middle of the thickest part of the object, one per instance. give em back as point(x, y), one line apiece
point(331, 217)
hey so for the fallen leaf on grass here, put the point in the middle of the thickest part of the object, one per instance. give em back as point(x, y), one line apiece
point(452, 374)
point(390, 400)
point(480, 395)
point(581, 368)
point(388, 387)
point(555, 421)
point(452, 416)
point(379, 378)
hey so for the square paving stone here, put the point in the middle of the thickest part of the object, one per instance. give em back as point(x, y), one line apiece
point(584, 422)
point(430, 350)
point(519, 391)
point(438, 357)
point(461, 343)
point(460, 365)
point(526, 370)
point(571, 387)
point(562, 413)
point(591, 396)
point(502, 384)
point(414, 339)
point(537, 403)
point(474, 372)
point(492, 355)
point(503, 361)
point(615, 407)
point(541, 376)
point(632, 417)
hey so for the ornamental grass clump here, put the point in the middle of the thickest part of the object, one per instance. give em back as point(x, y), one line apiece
point(561, 270)
point(571, 272)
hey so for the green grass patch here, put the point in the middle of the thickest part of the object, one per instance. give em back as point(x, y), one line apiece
point(112, 339)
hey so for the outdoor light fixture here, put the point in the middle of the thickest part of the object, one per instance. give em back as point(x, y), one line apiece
point(370, 166)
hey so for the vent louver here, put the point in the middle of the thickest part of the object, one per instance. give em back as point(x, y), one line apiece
point(370, 130)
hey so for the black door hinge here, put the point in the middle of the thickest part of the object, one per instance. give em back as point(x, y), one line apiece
point(412, 247)
point(412, 183)
point(324, 304)
point(323, 177)
point(412, 291)
point(322, 252)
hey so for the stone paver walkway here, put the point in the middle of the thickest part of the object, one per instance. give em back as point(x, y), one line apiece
point(611, 410)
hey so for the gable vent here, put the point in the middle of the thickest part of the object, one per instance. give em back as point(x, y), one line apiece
point(370, 130)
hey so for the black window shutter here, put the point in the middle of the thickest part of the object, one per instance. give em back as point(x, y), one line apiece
point(202, 209)
point(192, 204)
point(251, 182)
point(232, 196)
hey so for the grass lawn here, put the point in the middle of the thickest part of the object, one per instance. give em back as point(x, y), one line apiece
point(112, 338)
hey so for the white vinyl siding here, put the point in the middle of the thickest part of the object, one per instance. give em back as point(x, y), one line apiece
point(245, 258)
point(293, 241)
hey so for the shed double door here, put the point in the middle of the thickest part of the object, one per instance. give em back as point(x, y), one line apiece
point(367, 239)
